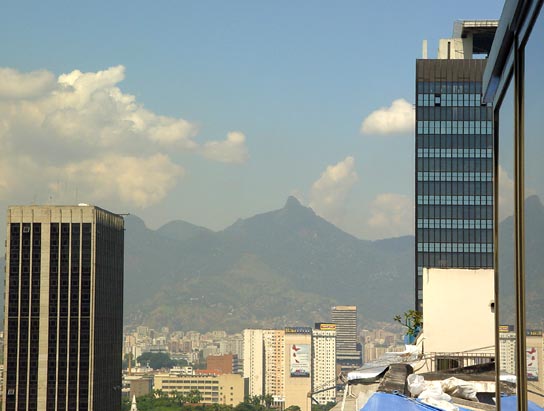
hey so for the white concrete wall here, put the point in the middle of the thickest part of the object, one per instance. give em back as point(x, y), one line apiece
point(457, 315)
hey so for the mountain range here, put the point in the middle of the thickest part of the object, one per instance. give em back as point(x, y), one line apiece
point(288, 267)
point(284, 267)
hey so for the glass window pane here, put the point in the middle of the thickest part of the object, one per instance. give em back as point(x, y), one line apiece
point(505, 308)
point(534, 210)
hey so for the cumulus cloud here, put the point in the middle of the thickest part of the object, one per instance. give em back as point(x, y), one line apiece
point(81, 129)
point(14, 85)
point(138, 181)
point(328, 194)
point(391, 215)
point(396, 119)
point(231, 150)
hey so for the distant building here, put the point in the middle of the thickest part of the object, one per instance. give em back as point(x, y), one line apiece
point(215, 389)
point(324, 363)
point(348, 352)
point(63, 309)
point(534, 359)
point(138, 385)
point(254, 361)
point(298, 367)
point(454, 155)
point(507, 349)
point(274, 364)
point(226, 364)
point(373, 351)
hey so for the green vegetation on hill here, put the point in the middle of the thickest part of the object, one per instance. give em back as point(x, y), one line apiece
point(285, 267)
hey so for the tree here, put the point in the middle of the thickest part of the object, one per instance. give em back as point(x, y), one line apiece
point(413, 320)
point(323, 407)
point(268, 399)
point(193, 397)
point(156, 360)
point(293, 408)
point(159, 394)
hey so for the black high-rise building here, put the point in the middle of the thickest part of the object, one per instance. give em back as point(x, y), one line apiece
point(63, 309)
point(348, 350)
point(454, 155)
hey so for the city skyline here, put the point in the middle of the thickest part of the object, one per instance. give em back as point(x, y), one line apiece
point(203, 91)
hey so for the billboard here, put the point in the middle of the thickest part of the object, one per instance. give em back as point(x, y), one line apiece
point(325, 326)
point(298, 330)
point(300, 362)
point(532, 364)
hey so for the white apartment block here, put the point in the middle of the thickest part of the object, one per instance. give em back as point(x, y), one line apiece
point(274, 363)
point(324, 365)
point(254, 361)
point(507, 344)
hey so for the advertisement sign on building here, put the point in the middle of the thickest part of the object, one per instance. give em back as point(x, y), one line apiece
point(300, 360)
point(325, 326)
point(532, 364)
point(298, 330)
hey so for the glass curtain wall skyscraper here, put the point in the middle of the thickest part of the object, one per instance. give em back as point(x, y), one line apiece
point(348, 351)
point(454, 156)
point(63, 308)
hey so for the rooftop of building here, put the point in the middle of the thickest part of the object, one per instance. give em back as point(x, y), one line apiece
point(481, 31)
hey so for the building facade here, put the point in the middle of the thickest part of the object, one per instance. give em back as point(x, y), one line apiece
point(254, 361)
point(324, 363)
point(274, 360)
point(454, 155)
point(215, 389)
point(348, 351)
point(63, 308)
point(226, 364)
point(298, 367)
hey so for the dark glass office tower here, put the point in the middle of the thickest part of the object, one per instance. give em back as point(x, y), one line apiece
point(348, 350)
point(454, 156)
point(63, 308)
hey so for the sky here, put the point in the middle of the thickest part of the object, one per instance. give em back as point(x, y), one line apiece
point(209, 111)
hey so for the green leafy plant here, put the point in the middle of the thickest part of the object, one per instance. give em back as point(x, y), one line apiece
point(411, 319)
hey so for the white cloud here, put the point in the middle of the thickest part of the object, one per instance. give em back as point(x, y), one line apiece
point(399, 118)
point(231, 150)
point(15, 85)
point(80, 130)
point(138, 181)
point(328, 194)
point(391, 215)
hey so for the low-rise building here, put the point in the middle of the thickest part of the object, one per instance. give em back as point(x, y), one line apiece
point(215, 389)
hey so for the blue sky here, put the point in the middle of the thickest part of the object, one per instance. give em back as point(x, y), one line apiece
point(241, 103)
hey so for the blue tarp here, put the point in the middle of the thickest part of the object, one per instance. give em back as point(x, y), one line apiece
point(381, 401)
point(510, 403)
